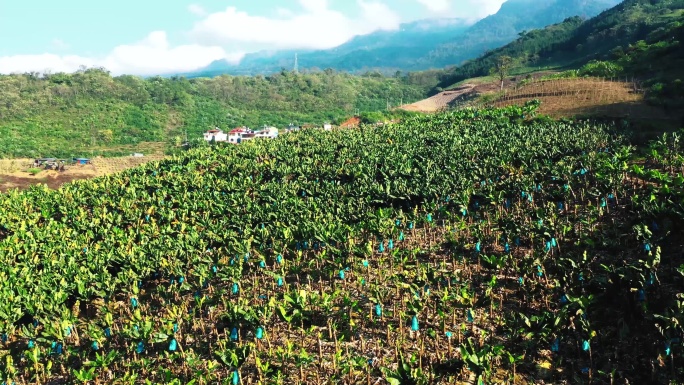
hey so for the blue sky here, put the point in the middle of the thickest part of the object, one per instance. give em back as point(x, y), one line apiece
point(154, 36)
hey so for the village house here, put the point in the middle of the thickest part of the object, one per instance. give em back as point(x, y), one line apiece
point(291, 127)
point(267, 132)
point(240, 134)
point(216, 134)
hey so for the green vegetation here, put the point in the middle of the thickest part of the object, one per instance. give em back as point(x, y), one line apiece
point(385, 116)
point(527, 50)
point(34, 171)
point(89, 112)
point(502, 68)
point(480, 245)
point(641, 38)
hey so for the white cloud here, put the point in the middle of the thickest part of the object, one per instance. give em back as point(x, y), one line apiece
point(381, 16)
point(314, 6)
point(197, 10)
point(42, 63)
point(317, 27)
point(151, 56)
point(467, 9)
point(283, 12)
point(436, 5)
point(483, 7)
point(154, 55)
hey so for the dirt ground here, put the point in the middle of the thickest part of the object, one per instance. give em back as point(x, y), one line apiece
point(354, 121)
point(467, 90)
point(14, 172)
point(440, 101)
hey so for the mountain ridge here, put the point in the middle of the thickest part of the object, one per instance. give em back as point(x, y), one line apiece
point(269, 61)
point(419, 45)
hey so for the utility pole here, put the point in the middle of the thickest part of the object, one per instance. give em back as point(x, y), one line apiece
point(296, 66)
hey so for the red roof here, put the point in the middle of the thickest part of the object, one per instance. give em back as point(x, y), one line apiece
point(239, 130)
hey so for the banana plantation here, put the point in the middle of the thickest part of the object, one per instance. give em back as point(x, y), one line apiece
point(469, 247)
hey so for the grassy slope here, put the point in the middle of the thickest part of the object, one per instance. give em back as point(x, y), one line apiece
point(90, 113)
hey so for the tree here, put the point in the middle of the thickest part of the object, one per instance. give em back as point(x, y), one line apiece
point(502, 68)
point(177, 141)
point(106, 136)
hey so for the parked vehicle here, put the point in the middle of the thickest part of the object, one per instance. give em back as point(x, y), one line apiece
point(50, 163)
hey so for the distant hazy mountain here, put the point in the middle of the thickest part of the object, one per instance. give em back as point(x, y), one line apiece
point(419, 45)
point(386, 50)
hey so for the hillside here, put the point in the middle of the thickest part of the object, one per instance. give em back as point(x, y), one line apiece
point(514, 17)
point(420, 45)
point(589, 97)
point(90, 113)
point(642, 36)
point(475, 246)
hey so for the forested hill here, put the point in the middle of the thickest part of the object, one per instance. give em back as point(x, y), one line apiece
point(90, 112)
point(514, 18)
point(639, 37)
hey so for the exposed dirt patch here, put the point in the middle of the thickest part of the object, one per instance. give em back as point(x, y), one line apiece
point(441, 101)
point(53, 179)
point(351, 122)
point(14, 172)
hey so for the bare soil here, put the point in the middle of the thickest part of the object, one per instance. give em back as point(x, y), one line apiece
point(354, 121)
point(441, 101)
point(14, 172)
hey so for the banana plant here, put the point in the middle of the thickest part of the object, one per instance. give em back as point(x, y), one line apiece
point(480, 360)
point(404, 374)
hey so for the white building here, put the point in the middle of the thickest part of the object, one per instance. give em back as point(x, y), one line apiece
point(327, 126)
point(291, 128)
point(267, 132)
point(240, 135)
point(215, 134)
